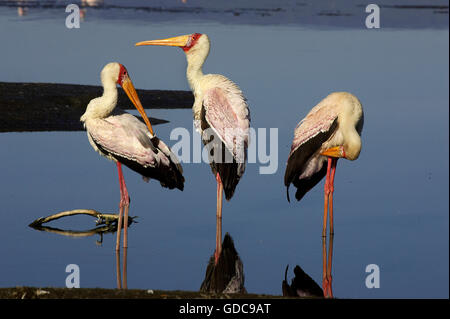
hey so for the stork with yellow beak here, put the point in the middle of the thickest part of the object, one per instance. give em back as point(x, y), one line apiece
point(124, 139)
point(221, 115)
point(330, 131)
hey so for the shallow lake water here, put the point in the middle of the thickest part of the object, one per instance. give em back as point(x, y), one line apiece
point(391, 205)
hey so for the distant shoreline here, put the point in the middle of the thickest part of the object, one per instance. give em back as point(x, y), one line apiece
point(27, 107)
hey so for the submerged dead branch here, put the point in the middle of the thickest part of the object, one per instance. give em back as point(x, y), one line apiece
point(105, 219)
point(107, 223)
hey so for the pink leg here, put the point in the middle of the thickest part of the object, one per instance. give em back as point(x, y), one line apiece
point(119, 227)
point(331, 190)
point(326, 193)
point(123, 206)
point(118, 274)
point(218, 219)
point(125, 237)
point(324, 268)
point(125, 286)
point(126, 199)
point(119, 223)
point(329, 265)
point(327, 261)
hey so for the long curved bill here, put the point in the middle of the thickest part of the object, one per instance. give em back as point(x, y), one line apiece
point(180, 41)
point(129, 89)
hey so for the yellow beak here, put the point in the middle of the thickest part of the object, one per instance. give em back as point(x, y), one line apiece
point(129, 89)
point(180, 41)
point(337, 151)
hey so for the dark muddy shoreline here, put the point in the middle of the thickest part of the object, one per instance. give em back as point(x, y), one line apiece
point(101, 293)
point(26, 107)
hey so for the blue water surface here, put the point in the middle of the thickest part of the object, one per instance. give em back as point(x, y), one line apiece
point(391, 205)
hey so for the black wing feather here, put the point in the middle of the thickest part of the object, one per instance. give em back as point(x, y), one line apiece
point(298, 160)
point(170, 177)
point(228, 171)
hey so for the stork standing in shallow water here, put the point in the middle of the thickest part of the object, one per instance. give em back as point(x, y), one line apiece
point(221, 115)
point(123, 138)
point(331, 130)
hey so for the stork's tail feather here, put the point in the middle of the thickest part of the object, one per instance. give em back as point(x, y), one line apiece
point(229, 176)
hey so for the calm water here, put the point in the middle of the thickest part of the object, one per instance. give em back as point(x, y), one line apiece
point(391, 205)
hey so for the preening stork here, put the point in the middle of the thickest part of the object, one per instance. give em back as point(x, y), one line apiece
point(221, 115)
point(331, 130)
point(124, 139)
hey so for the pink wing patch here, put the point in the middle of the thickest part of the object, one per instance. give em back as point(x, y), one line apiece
point(318, 120)
point(123, 136)
point(227, 114)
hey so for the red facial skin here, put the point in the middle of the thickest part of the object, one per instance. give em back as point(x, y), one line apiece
point(192, 42)
point(123, 73)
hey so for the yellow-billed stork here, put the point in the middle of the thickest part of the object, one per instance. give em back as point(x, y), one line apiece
point(124, 139)
point(221, 115)
point(331, 130)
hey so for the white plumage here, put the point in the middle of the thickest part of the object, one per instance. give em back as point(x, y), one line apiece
point(331, 130)
point(124, 139)
point(220, 107)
